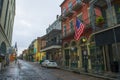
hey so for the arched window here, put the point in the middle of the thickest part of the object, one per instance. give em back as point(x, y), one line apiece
point(3, 48)
point(66, 45)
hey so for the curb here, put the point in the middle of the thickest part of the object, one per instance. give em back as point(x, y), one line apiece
point(89, 74)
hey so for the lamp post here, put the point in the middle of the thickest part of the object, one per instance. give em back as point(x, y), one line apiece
point(75, 58)
point(85, 55)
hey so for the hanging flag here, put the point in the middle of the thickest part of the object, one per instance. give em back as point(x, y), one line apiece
point(79, 28)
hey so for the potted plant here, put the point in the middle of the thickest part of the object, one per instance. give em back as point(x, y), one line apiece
point(100, 21)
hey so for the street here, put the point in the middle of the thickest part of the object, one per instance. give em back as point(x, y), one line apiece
point(33, 71)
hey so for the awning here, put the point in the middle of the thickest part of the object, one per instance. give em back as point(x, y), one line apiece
point(51, 47)
point(108, 36)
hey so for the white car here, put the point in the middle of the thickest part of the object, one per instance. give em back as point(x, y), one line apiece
point(48, 63)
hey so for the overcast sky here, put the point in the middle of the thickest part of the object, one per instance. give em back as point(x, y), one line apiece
point(31, 20)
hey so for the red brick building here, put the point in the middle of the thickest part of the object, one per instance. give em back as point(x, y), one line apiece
point(75, 53)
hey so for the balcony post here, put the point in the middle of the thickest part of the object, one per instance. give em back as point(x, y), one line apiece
point(110, 10)
point(92, 14)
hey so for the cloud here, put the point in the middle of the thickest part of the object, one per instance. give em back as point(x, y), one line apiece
point(31, 20)
point(25, 23)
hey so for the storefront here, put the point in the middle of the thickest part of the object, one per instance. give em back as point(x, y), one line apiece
point(71, 56)
point(107, 48)
point(97, 58)
point(74, 57)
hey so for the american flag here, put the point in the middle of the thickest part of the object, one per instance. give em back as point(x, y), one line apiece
point(79, 28)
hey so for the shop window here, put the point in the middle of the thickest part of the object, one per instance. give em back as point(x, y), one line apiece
point(97, 58)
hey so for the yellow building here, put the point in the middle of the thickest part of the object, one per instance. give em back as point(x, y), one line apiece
point(37, 54)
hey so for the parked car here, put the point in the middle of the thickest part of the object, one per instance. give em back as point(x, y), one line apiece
point(49, 63)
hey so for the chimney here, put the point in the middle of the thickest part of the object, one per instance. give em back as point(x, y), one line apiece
point(57, 16)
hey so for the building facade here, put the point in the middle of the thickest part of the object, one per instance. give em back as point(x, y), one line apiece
point(53, 41)
point(7, 14)
point(38, 55)
point(55, 25)
point(25, 55)
point(75, 53)
point(43, 44)
point(34, 50)
point(105, 41)
point(31, 51)
point(12, 54)
point(97, 50)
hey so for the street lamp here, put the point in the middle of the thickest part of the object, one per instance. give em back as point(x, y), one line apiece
point(84, 40)
point(85, 55)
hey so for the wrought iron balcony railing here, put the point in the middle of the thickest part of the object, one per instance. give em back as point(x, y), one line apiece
point(77, 5)
point(52, 43)
point(69, 11)
point(68, 32)
point(108, 22)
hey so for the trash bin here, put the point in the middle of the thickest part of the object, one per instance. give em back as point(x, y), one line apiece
point(115, 67)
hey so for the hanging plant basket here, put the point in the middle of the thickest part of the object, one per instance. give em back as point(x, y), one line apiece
point(100, 21)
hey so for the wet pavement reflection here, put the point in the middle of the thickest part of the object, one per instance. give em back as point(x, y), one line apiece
point(25, 71)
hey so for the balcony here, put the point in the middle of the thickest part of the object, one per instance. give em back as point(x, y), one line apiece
point(118, 19)
point(62, 18)
point(87, 23)
point(77, 5)
point(68, 33)
point(100, 3)
point(108, 23)
point(51, 45)
point(111, 15)
point(69, 12)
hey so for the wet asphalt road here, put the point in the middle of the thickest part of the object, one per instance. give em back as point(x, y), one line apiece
point(33, 71)
point(26, 72)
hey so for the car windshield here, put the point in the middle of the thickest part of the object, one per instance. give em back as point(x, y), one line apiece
point(46, 61)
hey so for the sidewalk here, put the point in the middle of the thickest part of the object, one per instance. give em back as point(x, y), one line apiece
point(10, 72)
point(108, 76)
